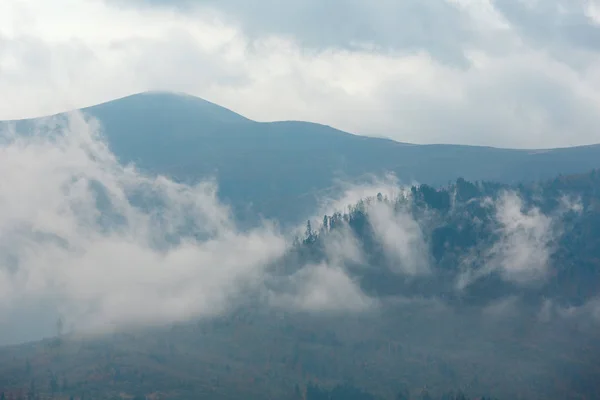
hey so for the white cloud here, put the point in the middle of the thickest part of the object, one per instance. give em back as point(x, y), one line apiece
point(106, 247)
point(323, 288)
point(524, 247)
point(396, 229)
point(342, 246)
point(401, 237)
point(348, 194)
point(75, 243)
point(570, 204)
point(453, 71)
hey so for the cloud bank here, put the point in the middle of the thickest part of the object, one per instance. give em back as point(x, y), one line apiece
point(106, 246)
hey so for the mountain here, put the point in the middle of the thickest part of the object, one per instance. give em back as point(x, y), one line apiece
point(281, 169)
point(524, 326)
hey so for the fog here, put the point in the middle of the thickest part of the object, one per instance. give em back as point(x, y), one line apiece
point(88, 245)
point(104, 246)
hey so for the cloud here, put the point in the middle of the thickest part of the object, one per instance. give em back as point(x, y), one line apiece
point(323, 288)
point(523, 242)
point(523, 250)
point(107, 247)
point(396, 229)
point(401, 237)
point(505, 73)
point(582, 316)
point(347, 194)
point(346, 24)
point(570, 203)
point(554, 23)
point(333, 285)
point(342, 246)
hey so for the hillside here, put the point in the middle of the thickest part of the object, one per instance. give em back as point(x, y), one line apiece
point(472, 243)
point(281, 169)
point(404, 325)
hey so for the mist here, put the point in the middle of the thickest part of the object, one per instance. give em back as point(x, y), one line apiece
point(104, 246)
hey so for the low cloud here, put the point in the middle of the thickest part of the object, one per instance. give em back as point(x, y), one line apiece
point(342, 246)
point(323, 288)
point(523, 250)
point(401, 237)
point(394, 228)
point(348, 194)
point(523, 245)
point(105, 246)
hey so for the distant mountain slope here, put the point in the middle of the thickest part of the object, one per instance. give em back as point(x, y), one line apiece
point(279, 169)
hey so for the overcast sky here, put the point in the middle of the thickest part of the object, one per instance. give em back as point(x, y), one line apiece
point(518, 73)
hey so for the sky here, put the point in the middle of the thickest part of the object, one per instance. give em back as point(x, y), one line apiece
point(510, 73)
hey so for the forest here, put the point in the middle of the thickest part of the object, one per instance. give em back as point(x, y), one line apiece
point(475, 228)
point(486, 289)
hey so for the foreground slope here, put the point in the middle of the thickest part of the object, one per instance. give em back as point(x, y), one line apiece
point(506, 335)
point(280, 169)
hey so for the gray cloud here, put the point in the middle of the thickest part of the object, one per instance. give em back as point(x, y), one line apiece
point(438, 26)
point(444, 28)
point(553, 23)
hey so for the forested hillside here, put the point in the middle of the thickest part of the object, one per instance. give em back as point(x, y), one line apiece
point(474, 241)
point(419, 293)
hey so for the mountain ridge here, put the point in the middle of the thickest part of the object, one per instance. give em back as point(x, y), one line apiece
point(278, 170)
point(200, 100)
